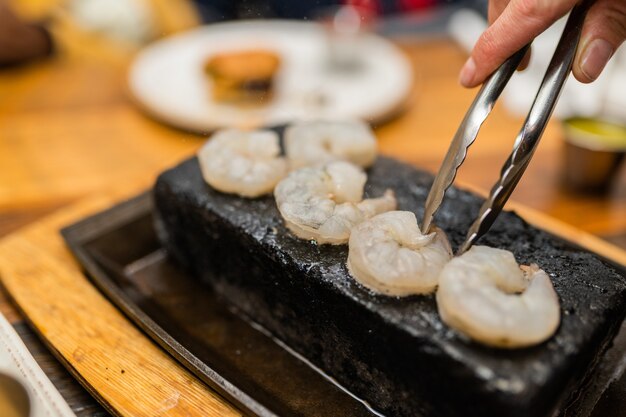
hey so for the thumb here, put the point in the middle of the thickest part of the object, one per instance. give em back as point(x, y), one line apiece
point(603, 32)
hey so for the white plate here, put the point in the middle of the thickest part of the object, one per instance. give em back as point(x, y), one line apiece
point(16, 361)
point(167, 77)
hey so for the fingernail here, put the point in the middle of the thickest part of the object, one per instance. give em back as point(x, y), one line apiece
point(467, 73)
point(595, 56)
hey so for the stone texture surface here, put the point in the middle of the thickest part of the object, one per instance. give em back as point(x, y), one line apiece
point(394, 352)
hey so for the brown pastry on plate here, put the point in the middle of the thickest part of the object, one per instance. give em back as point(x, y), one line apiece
point(244, 77)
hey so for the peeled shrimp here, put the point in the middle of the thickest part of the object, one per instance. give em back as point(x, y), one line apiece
point(488, 297)
point(244, 163)
point(311, 143)
point(324, 203)
point(389, 254)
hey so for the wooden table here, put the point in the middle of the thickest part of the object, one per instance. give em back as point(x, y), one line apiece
point(68, 129)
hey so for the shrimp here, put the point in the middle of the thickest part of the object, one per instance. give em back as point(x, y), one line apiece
point(485, 295)
point(324, 203)
point(389, 254)
point(244, 163)
point(311, 143)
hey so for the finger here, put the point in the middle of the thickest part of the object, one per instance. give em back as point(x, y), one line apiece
point(520, 22)
point(603, 32)
point(495, 9)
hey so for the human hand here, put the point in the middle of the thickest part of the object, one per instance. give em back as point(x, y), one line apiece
point(514, 23)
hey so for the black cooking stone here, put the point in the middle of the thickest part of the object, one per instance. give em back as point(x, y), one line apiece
point(393, 352)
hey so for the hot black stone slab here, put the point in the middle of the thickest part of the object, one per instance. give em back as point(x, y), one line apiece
point(395, 353)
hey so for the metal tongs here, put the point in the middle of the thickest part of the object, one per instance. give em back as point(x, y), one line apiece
point(527, 139)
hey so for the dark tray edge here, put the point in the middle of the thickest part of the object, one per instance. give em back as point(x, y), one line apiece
point(76, 234)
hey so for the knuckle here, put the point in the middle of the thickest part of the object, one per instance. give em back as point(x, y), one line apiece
point(496, 7)
point(541, 9)
point(529, 8)
point(615, 15)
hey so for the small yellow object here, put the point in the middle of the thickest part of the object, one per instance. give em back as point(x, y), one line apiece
point(595, 134)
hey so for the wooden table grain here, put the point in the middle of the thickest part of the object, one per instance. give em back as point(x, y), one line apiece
point(68, 129)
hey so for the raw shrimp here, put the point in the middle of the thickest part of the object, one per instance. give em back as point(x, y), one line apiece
point(311, 143)
point(324, 203)
point(244, 163)
point(488, 297)
point(389, 254)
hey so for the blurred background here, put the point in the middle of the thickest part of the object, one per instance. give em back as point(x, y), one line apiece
point(99, 96)
point(102, 94)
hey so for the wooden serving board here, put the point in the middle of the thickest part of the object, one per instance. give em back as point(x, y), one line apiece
point(117, 363)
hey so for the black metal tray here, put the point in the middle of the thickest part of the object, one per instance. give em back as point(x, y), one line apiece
point(120, 252)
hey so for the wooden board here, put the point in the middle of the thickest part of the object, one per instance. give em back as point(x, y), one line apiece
point(128, 373)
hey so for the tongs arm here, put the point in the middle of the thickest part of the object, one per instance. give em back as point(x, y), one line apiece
point(467, 132)
point(536, 121)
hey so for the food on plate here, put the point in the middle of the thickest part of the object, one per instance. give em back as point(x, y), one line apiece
point(487, 296)
point(315, 142)
point(244, 163)
point(389, 254)
point(244, 77)
point(393, 352)
point(324, 203)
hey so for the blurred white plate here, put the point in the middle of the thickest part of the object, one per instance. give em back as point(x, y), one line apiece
point(16, 361)
point(167, 77)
